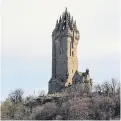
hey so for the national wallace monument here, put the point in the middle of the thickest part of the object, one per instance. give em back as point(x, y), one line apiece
point(65, 38)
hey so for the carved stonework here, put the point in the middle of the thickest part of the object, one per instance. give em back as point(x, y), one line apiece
point(65, 39)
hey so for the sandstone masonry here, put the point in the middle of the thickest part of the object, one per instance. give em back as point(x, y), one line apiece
point(65, 39)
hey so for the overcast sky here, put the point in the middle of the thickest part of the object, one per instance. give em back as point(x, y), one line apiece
point(27, 27)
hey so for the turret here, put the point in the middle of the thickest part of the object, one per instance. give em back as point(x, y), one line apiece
point(87, 71)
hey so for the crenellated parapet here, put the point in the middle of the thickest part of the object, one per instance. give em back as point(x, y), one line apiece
point(65, 26)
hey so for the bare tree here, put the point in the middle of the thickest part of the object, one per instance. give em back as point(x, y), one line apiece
point(98, 89)
point(106, 88)
point(118, 89)
point(16, 96)
point(113, 86)
point(42, 93)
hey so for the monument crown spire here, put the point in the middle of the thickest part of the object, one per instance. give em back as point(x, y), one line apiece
point(65, 22)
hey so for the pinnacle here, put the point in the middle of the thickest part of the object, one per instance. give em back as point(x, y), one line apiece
point(66, 10)
point(66, 21)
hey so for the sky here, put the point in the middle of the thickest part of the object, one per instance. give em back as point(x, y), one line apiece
point(27, 27)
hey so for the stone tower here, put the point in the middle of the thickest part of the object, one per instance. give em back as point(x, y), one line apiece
point(65, 39)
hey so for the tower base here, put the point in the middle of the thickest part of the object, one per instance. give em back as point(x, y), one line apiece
point(55, 85)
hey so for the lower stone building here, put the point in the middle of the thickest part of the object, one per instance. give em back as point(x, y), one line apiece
point(83, 78)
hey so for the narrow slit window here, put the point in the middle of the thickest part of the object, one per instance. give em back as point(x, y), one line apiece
point(60, 52)
point(72, 44)
point(72, 53)
point(70, 48)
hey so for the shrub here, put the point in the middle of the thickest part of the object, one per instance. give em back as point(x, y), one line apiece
point(102, 107)
point(64, 110)
point(47, 112)
point(79, 109)
point(5, 110)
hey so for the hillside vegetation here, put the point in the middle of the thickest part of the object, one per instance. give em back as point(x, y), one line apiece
point(72, 103)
